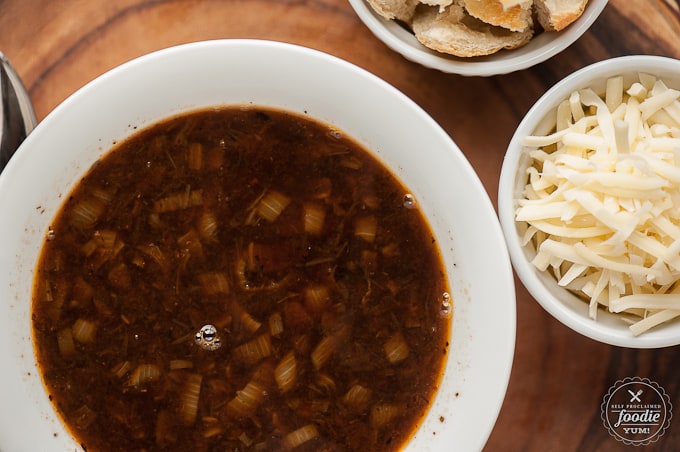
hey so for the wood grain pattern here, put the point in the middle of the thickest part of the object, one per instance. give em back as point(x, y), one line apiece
point(558, 378)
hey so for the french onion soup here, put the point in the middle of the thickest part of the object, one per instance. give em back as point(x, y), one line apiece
point(240, 278)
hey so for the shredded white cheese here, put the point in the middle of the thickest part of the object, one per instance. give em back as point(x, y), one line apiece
point(602, 199)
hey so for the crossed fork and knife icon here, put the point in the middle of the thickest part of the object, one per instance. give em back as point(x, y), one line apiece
point(636, 396)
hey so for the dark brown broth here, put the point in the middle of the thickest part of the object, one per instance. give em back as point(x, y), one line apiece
point(171, 231)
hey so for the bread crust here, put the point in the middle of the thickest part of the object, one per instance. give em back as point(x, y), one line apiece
point(455, 32)
point(514, 18)
point(556, 15)
point(395, 9)
point(441, 3)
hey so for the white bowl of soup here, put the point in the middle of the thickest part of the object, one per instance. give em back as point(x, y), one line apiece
point(254, 298)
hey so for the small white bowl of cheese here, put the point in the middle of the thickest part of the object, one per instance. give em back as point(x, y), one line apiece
point(589, 201)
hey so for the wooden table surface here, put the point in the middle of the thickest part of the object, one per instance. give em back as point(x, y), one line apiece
point(559, 378)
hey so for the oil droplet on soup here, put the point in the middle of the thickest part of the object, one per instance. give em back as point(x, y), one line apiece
point(409, 201)
point(446, 304)
point(240, 279)
point(207, 338)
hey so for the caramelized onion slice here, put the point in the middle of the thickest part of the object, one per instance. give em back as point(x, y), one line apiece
point(176, 364)
point(67, 347)
point(207, 226)
point(323, 351)
point(213, 430)
point(157, 255)
point(84, 416)
point(247, 400)
point(249, 322)
point(314, 217)
point(191, 243)
point(87, 211)
point(365, 227)
point(275, 324)
point(213, 283)
point(357, 397)
point(300, 436)
point(272, 204)
point(285, 372)
point(107, 239)
point(245, 439)
point(396, 349)
point(120, 277)
point(328, 346)
point(84, 331)
point(179, 201)
point(384, 413)
point(121, 369)
point(104, 246)
point(143, 374)
point(189, 398)
point(253, 351)
point(324, 384)
point(166, 429)
point(195, 156)
point(317, 298)
point(322, 188)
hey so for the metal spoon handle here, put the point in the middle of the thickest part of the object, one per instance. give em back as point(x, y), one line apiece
point(17, 118)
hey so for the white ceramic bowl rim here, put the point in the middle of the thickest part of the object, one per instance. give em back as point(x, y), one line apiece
point(541, 47)
point(254, 72)
point(568, 309)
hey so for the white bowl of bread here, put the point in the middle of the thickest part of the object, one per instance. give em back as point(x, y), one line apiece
point(478, 37)
point(588, 201)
